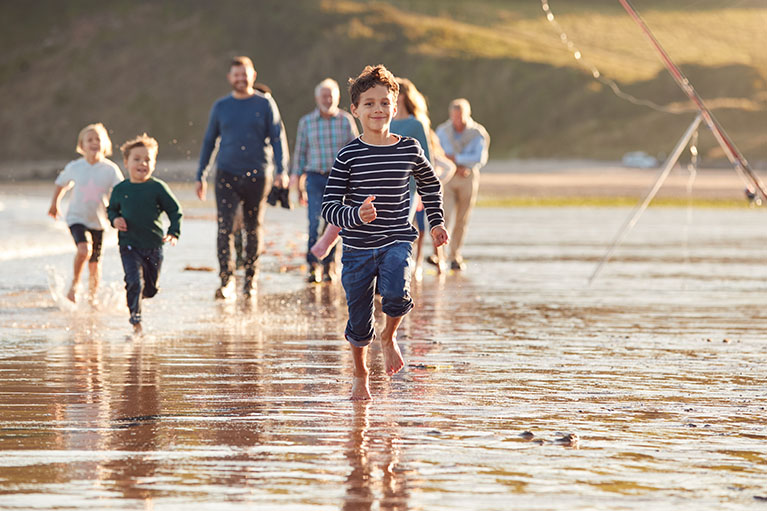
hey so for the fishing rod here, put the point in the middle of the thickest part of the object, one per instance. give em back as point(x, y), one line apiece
point(634, 218)
point(753, 183)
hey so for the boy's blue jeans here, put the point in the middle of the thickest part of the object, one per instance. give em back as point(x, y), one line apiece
point(142, 268)
point(391, 267)
point(315, 190)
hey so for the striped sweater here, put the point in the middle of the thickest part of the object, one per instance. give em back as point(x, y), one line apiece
point(361, 170)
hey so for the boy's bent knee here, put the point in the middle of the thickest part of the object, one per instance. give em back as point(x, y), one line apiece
point(396, 307)
point(359, 344)
point(84, 250)
point(357, 340)
point(132, 281)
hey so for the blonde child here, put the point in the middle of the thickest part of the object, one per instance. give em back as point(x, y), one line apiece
point(134, 210)
point(90, 178)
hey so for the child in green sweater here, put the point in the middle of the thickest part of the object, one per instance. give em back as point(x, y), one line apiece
point(134, 210)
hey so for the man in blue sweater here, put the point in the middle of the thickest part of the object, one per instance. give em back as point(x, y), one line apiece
point(252, 148)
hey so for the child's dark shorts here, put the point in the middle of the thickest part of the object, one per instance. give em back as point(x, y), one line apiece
point(82, 234)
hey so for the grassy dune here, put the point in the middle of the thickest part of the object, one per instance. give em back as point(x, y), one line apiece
point(158, 66)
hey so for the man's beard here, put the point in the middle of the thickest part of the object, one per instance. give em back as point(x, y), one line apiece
point(240, 86)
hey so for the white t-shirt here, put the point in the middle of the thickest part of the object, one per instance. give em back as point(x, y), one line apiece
point(92, 186)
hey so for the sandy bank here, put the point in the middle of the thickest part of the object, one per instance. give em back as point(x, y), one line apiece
point(504, 178)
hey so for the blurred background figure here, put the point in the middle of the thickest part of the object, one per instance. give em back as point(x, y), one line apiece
point(321, 134)
point(466, 143)
point(91, 179)
point(412, 120)
point(252, 148)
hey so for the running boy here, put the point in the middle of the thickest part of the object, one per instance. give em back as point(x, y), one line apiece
point(134, 210)
point(367, 196)
point(91, 178)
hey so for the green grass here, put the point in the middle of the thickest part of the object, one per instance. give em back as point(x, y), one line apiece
point(157, 67)
point(606, 202)
point(705, 33)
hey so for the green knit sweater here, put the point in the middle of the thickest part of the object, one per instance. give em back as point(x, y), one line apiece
point(141, 205)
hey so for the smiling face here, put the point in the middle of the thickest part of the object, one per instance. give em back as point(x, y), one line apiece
point(140, 164)
point(91, 145)
point(376, 108)
point(241, 78)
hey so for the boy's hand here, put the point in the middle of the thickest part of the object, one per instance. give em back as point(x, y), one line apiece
point(440, 235)
point(367, 210)
point(120, 224)
point(169, 238)
point(53, 212)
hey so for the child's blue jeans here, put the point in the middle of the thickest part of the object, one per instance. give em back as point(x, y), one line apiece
point(142, 268)
point(391, 267)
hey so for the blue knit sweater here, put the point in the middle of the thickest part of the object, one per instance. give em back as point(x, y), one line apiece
point(252, 137)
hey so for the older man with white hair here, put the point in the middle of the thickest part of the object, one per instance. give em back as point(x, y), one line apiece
point(465, 142)
point(321, 134)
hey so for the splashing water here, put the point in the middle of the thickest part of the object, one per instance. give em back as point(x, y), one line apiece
point(523, 387)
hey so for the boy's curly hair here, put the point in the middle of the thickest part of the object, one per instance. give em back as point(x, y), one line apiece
point(142, 140)
point(369, 78)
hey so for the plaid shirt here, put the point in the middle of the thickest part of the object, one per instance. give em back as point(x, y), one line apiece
point(319, 140)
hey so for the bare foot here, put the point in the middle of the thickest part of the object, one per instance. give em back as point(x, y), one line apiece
point(360, 388)
point(392, 356)
point(71, 295)
point(138, 329)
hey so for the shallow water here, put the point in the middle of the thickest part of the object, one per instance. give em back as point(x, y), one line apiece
point(657, 368)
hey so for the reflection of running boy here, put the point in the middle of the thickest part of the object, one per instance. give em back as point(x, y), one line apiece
point(91, 178)
point(134, 210)
point(376, 167)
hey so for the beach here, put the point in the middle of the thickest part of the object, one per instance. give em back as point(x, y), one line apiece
point(532, 178)
point(525, 386)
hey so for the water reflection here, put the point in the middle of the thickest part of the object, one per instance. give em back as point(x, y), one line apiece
point(359, 483)
point(246, 407)
point(135, 428)
point(375, 477)
point(76, 379)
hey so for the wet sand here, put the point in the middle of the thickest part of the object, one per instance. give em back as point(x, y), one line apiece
point(594, 180)
point(506, 178)
point(655, 372)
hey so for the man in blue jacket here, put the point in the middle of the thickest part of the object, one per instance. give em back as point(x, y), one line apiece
point(252, 152)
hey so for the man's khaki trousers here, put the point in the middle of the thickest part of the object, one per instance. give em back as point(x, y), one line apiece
point(460, 195)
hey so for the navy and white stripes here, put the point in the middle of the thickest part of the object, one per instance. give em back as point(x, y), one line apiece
point(361, 170)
